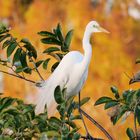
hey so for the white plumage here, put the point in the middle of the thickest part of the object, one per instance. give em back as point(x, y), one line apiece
point(71, 73)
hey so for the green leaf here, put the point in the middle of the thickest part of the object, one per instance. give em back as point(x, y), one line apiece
point(45, 63)
point(6, 43)
point(55, 120)
point(59, 33)
point(130, 133)
point(19, 69)
point(39, 63)
point(58, 95)
point(115, 91)
point(54, 123)
point(3, 27)
point(23, 59)
point(120, 113)
point(103, 100)
point(73, 134)
point(76, 136)
point(137, 113)
point(60, 55)
point(32, 50)
point(25, 69)
point(6, 102)
point(11, 48)
point(69, 105)
point(28, 70)
point(70, 109)
point(137, 94)
point(65, 130)
point(126, 93)
point(29, 47)
point(2, 37)
point(28, 108)
point(110, 104)
point(54, 66)
point(129, 98)
point(71, 123)
point(47, 34)
point(68, 39)
point(17, 55)
point(61, 109)
point(85, 100)
point(51, 49)
point(50, 40)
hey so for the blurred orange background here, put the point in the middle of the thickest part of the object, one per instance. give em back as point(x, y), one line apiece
point(113, 54)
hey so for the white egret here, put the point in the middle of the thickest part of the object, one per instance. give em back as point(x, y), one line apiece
point(71, 73)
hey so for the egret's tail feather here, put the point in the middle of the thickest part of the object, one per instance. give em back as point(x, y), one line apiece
point(45, 96)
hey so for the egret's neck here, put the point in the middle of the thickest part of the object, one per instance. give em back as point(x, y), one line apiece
point(87, 48)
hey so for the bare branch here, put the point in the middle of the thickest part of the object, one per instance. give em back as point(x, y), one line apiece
point(18, 76)
point(97, 124)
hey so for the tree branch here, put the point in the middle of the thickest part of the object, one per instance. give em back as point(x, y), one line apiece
point(97, 124)
point(37, 70)
point(18, 76)
point(33, 63)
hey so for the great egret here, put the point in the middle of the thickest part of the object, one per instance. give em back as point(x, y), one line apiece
point(71, 73)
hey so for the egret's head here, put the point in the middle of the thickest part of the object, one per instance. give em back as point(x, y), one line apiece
point(93, 26)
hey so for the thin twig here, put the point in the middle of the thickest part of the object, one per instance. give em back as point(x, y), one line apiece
point(33, 63)
point(97, 124)
point(18, 76)
point(11, 69)
point(37, 70)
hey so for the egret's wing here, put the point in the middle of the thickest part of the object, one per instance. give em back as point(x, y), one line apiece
point(59, 77)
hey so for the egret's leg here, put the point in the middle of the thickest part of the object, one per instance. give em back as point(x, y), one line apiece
point(82, 115)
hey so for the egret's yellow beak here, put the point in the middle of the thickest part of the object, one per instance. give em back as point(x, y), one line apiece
point(103, 30)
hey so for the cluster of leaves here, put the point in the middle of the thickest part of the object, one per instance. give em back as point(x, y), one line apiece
point(18, 53)
point(61, 44)
point(65, 125)
point(22, 55)
point(19, 121)
point(123, 105)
